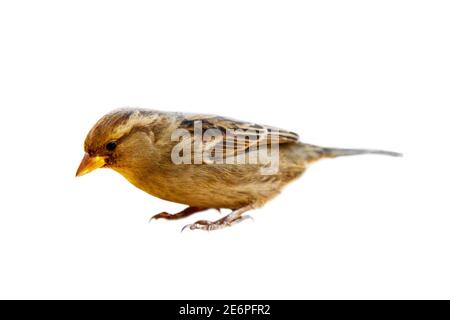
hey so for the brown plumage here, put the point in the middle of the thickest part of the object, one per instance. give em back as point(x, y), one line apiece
point(138, 144)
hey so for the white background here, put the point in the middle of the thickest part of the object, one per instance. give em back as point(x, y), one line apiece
point(372, 74)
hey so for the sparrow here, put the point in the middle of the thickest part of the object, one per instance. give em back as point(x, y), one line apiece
point(202, 160)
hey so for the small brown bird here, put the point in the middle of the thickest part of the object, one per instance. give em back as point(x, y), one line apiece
point(202, 161)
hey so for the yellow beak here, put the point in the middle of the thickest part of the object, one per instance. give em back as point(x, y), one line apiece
point(89, 164)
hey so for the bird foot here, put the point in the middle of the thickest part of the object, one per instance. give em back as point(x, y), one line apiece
point(162, 215)
point(226, 221)
point(180, 215)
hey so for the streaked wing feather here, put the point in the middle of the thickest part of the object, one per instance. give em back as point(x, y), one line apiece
point(238, 136)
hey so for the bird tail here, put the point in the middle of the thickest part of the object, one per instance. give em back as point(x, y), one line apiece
point(315, 152)
point(335, 152)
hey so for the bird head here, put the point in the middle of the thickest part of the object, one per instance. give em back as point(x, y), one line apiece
point(120, 139)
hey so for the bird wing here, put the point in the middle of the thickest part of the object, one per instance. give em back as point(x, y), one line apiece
point(224, 136)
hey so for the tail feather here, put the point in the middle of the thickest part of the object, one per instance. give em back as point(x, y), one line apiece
point(335, 152)
point(312, 153)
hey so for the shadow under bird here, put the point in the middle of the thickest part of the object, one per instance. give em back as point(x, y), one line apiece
point(139, 144)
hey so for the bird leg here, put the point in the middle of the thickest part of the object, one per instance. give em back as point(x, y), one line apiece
point(227, 221)
point(182, 214)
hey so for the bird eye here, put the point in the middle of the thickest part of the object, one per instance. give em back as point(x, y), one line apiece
point(111, 146)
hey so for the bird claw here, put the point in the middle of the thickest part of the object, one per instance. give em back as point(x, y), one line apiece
point(215, 225)
point(186, 227)
point(180, 215)
point(162, 215)
point(201, 224)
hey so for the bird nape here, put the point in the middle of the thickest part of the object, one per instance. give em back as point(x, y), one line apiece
point(202, 161)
